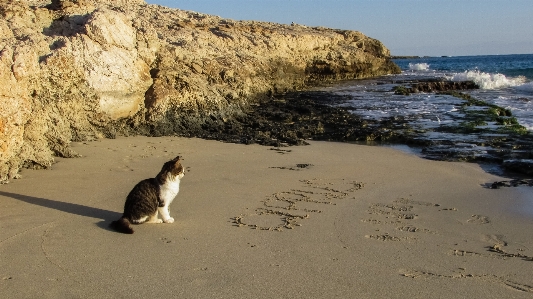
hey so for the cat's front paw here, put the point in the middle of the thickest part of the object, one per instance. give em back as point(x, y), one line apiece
point(169, 220)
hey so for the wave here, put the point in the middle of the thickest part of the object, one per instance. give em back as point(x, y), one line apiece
point(488, 80)
point(527, 87)
point(526, 72)
point(418, 66)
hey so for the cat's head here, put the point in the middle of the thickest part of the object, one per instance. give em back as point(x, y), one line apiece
point(174, 168)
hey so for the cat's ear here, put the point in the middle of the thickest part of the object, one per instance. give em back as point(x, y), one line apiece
point(178, 158)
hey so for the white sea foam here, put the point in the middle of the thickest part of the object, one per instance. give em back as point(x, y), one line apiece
point(488, 80)
point(418, 66)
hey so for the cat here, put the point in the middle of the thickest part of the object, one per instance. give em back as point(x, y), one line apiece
point(151, 197)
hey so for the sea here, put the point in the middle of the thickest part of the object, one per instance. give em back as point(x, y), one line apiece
point(504, 80)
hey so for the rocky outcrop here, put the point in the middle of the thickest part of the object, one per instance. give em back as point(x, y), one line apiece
point(74, 70)
point(433, 86)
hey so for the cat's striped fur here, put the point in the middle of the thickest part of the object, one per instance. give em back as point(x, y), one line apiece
point(151, 197)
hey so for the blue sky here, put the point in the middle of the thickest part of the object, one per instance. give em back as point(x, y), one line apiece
point(406, 27)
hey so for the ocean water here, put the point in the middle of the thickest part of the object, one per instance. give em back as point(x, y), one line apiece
point(504, 80)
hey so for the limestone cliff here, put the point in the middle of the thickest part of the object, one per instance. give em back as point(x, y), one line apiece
point(73, 70)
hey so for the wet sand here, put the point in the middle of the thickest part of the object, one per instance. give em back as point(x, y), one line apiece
point(320, 221)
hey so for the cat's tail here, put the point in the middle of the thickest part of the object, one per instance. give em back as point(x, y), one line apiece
point(122, 225)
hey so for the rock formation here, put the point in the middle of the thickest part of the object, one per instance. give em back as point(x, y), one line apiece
point(76, 70)
point(433, 85)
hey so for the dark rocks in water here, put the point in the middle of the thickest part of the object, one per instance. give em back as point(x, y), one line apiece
point(460, 152)
point(524, 166)
point(434, 86)
point(512, 183)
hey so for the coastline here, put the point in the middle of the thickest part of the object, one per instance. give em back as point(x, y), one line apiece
point(345, 220)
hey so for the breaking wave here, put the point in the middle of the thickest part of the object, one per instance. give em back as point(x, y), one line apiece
point(418, 66)
point(488, 80)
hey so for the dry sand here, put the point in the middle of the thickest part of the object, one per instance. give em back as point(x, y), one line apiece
point(320, 221)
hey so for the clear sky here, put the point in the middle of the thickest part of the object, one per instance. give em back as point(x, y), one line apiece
point(406, 27)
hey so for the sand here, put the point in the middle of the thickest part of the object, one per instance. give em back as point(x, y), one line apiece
point(329, 220)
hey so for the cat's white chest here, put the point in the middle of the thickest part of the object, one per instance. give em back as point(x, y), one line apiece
point(169, 190)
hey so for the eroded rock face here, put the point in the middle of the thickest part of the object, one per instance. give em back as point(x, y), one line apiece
point(74, 70)
point(111, 65)
point(15, 108)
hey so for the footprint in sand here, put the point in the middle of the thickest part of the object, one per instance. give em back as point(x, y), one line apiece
point(494, 239)
point(478, 219)
point(122, 168)
point(280, 151)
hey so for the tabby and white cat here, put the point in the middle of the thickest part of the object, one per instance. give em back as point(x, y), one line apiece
point(151, 197)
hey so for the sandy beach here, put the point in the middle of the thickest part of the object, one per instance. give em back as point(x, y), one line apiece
point(328, 220)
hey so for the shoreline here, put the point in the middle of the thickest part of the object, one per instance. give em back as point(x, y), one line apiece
point(329, 219)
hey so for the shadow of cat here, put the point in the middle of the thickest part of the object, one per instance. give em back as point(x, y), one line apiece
point(72, 208)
